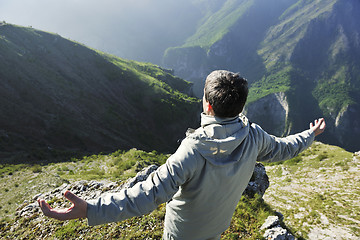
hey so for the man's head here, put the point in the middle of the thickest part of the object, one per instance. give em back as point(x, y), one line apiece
point(225, 93)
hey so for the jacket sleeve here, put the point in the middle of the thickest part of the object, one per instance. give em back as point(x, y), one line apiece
point(273, 149)
point(144, 196)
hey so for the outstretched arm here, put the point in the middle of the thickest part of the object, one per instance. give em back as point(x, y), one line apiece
point(276, 149)
point(77, 210)
point(138, 200)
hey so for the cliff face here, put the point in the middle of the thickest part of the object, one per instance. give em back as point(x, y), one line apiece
point(270, 112)
point(347, 124)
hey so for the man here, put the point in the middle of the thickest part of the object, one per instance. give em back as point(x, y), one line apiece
point(203, 180)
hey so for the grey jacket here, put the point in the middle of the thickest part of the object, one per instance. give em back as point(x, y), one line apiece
point(203, 180)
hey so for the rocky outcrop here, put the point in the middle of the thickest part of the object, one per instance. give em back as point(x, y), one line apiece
point(259, 181)
point(270, 112)
point(274, 231)
point(94, 189)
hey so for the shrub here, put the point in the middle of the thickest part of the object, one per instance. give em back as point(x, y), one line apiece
point(293, 161)
point(36, 168)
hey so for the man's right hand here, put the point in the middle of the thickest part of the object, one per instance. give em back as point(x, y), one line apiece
point(77, 210)
point(318, 127)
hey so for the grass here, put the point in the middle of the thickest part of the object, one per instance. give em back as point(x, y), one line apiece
point(28, 180)
point(249, 215)
point(322, 193)
point(308, 189)
point(117, 166)
point(316, 190)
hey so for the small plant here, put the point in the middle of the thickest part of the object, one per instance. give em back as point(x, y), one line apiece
point(293, 161)
point(36, 168)
point(321, 157)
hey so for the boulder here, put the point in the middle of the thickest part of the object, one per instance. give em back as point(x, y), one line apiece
point(274, 231)
point(278, 233)
point(259, 181)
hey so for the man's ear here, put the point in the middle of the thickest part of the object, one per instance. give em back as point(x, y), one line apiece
point(209, 109)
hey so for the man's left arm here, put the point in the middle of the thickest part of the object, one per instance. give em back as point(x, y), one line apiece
point(277, 149)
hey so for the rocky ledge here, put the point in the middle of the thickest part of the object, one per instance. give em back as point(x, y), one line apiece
point(93, 189)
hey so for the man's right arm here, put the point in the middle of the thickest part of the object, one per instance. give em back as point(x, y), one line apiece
point(144, 196)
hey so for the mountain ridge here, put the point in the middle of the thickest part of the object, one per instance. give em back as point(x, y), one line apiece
point(58, 95)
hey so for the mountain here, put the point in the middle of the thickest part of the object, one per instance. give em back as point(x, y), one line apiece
point(302, 59)
point(58, 96)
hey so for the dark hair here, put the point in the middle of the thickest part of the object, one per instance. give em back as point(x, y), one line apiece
point(226, 92)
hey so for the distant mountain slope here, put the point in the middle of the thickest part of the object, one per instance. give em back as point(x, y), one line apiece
point(57, 95)
point(307, 52)
point(226, 38)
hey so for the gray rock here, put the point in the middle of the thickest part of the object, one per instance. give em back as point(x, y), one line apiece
point(37, 196)
point(140, 176)
point(278, 233)
point(274, 231)
point(270, 222)
point(259, 181)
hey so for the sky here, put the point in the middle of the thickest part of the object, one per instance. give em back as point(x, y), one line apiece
point(112, 26)
point(83, 20)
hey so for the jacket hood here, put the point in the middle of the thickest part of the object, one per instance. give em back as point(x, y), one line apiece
point(219, 140)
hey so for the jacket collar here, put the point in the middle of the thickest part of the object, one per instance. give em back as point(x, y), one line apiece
point(207, 120)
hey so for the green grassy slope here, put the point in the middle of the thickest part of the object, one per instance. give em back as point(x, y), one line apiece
point(317, 192)
point(216, 25)
point(228, 37)
point(59, 96)
point(29, 180)
point(282, 38)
